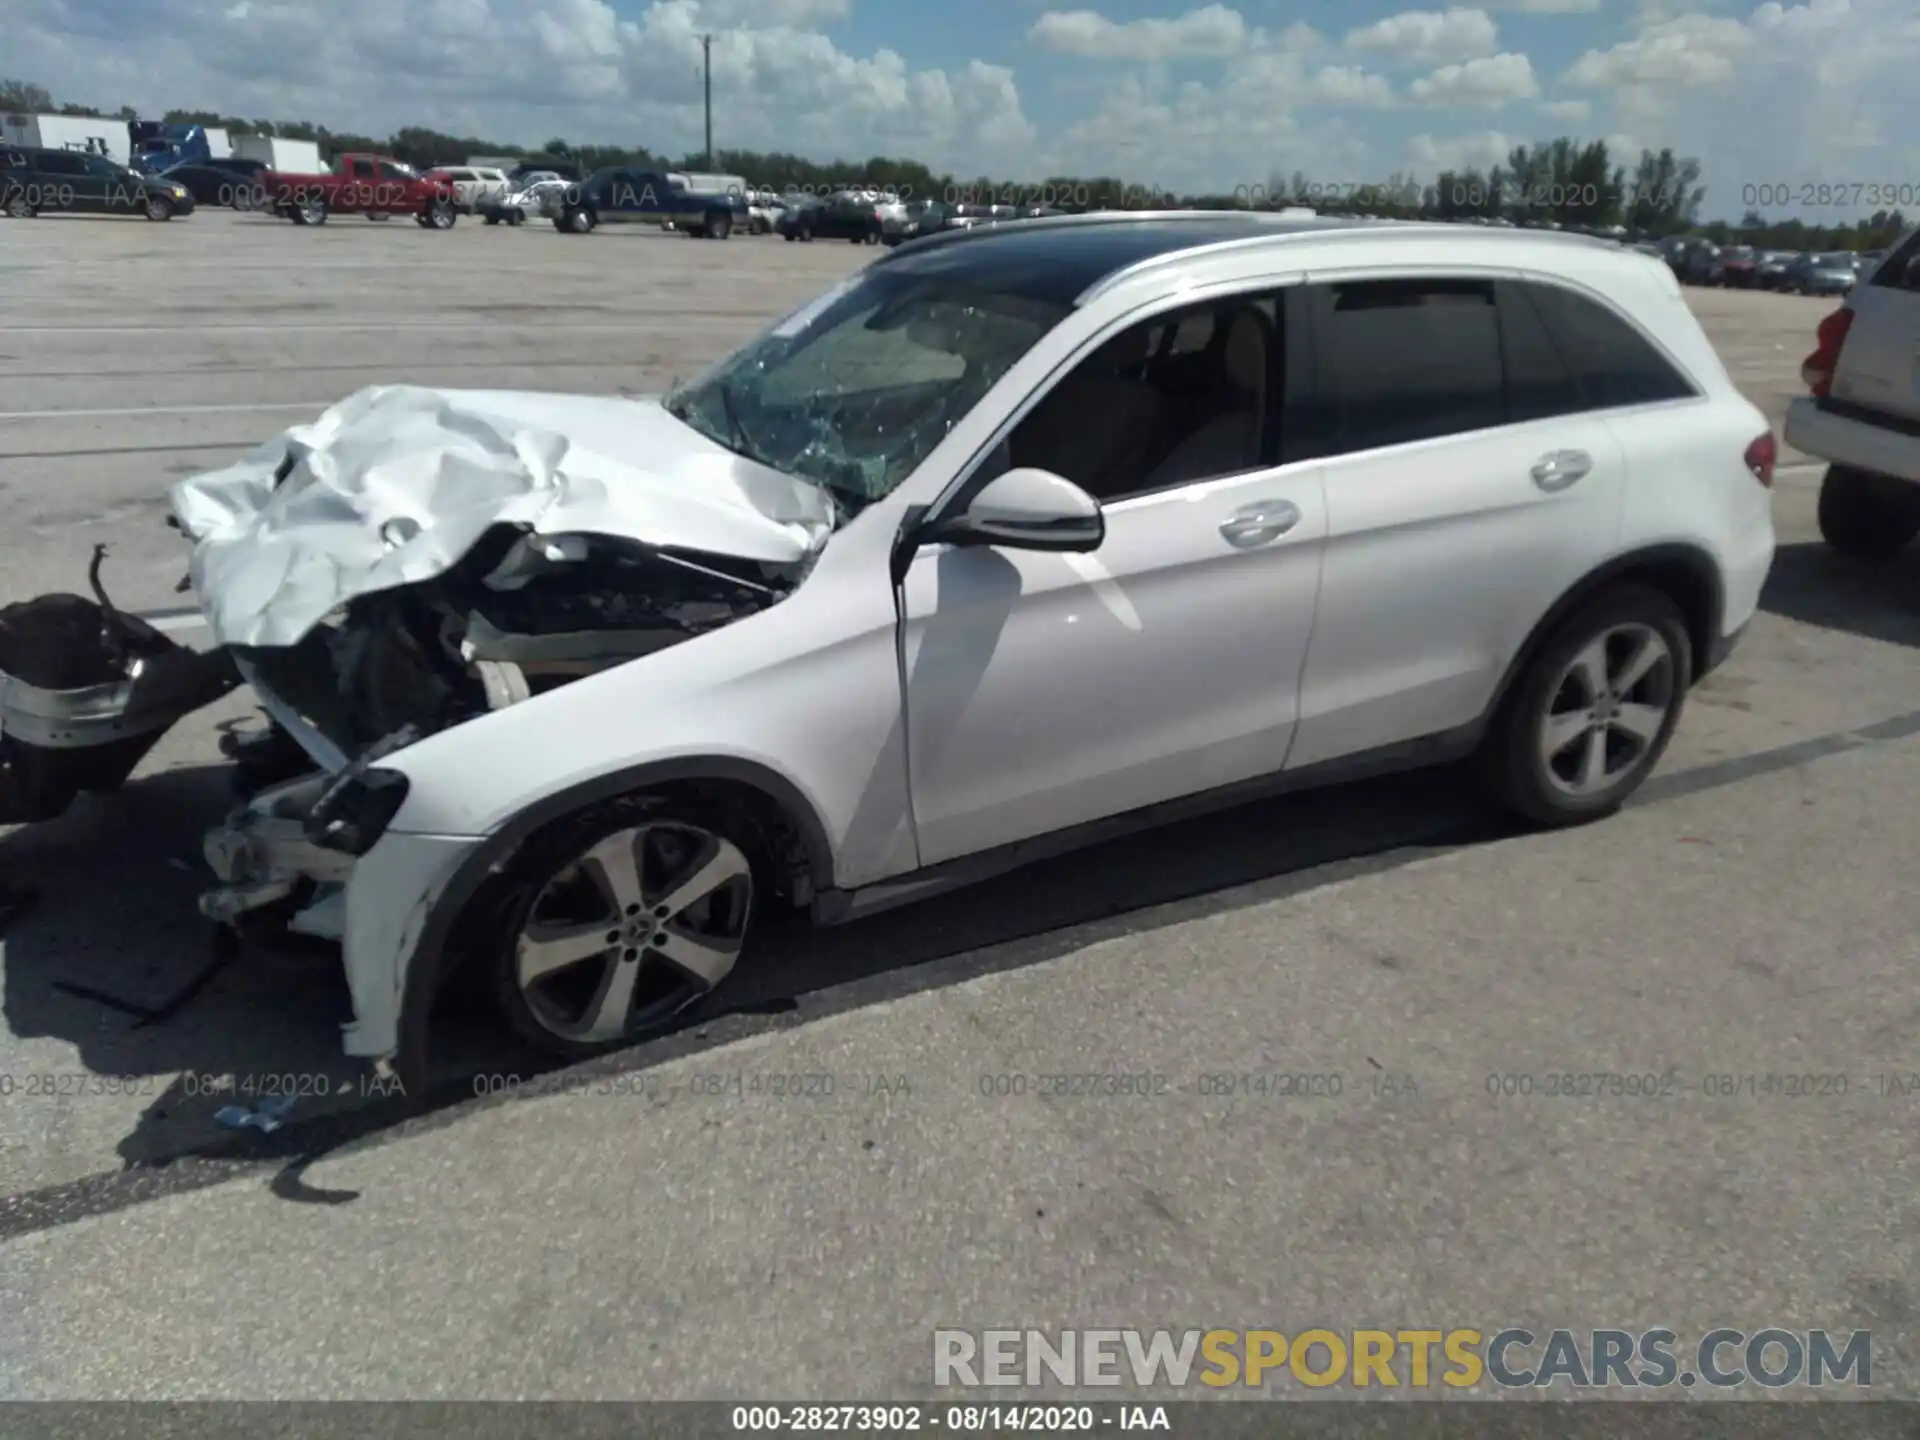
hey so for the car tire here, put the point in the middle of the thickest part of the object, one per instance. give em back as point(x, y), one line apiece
point(516, 218)
point(554, 969)
point(789, 237)
point(718, 226)
point(159, 208)
point(491, 220)
point(20, 208)
point(1581, 730)
point(310, 212)
point(441, 215)
point(577, 222)
point(1867, 516)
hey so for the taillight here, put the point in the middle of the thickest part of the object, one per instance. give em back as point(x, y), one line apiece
point(1760, 458)
point(1817, 369)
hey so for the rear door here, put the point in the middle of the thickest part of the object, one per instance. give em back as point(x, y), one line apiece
point(1466, 492)
point(1880, 361)
point(67, 184)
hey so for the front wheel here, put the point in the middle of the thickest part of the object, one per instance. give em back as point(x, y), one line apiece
point(719, 225)
point(619, 919)
point(1867, 516)
point(491, 220)
point(159, 208)
point(516, 217)
point(1593, 711)
point(310, 212)
point(441, 215)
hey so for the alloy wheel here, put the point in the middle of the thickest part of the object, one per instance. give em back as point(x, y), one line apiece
point(1607, 710)
point(646, 922)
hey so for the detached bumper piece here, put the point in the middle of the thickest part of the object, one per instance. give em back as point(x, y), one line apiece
point(85, 693)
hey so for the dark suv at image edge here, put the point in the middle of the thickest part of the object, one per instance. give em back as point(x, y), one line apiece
point(45, 182)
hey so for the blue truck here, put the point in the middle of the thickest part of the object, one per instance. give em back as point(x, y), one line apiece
point(619, 195)
point(159, 145)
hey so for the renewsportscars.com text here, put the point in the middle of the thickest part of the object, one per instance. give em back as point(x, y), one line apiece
point(1514, 1358)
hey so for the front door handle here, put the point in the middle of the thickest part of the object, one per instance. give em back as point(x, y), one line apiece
point(1259, 522)
point(1560, 468)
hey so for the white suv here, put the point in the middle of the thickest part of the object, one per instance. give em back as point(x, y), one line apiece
point(1863, 415)
point(1011, 540)
point(474, 186)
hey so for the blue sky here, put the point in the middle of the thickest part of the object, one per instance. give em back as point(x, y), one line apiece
point(1183, 95)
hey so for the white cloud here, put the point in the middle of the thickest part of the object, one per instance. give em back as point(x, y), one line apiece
point(1482, 150)
point(1348, 85)
point(1212, 32)
point(526, 70)
point(1572, 111)
point(1484, 84)
point(1429, 37)
point(1545, 7)
point(1692, 50)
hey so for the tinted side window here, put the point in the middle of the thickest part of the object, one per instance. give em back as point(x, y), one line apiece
point(1407, 360)
point(1540, 382)
point(1614, 363)
point(55, 162)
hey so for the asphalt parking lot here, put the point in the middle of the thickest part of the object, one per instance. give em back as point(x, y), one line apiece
point(669, 1229)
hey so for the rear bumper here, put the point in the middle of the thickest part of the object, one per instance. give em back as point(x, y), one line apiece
point(1843, 438)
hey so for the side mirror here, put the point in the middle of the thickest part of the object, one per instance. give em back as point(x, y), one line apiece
point(1024, 509)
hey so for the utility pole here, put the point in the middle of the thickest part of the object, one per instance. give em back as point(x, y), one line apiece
point(706, 72)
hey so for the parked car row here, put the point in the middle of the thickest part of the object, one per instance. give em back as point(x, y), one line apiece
point(1808, 272)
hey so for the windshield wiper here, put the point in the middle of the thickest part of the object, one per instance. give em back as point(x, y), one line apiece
point(740, 440)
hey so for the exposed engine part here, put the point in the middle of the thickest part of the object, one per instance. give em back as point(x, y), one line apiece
point(521, 614)
point(506, 683)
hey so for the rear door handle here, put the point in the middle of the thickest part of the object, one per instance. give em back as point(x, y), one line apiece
point(1259, 522)
point(1558, 469)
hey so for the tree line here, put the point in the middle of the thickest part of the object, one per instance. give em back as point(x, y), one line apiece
point(1566, 183)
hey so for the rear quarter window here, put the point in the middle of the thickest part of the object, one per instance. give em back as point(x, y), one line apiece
point(1901, 269)
point(1612, 362)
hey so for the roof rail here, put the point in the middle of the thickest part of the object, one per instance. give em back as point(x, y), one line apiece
point(1248, 242)
point(943, 238)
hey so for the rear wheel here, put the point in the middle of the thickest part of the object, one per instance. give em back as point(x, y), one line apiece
point(516, 217)
point(719, 225)
point(19, 207)
point(492, 220)
point(1592, 713)
point(310, 212)
point(619, 919)
point(1867, 516)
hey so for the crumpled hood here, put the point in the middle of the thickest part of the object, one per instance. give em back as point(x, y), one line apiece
point(396, 483)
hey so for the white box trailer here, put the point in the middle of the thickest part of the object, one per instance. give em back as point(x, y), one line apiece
point(288, 157)
point(69, 132)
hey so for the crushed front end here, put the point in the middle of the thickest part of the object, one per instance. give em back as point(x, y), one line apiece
point(418, 559)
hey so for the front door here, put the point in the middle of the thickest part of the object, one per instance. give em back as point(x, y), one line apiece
point(1048, 690)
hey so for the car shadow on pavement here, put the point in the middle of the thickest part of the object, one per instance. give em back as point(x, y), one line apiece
point(1877, 600)
point(117, 962)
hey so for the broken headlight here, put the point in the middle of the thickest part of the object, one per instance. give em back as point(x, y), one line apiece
point(354, 811)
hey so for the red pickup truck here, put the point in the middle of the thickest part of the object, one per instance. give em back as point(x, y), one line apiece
point(372, 185)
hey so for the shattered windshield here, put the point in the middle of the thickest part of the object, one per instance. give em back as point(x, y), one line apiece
point(854, 390)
